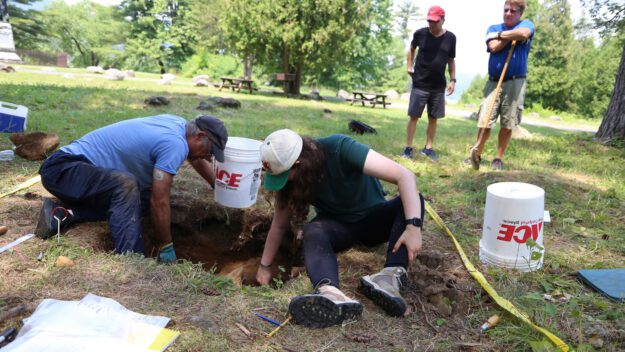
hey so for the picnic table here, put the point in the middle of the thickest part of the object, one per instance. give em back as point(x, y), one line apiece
point(236, 84)
point(371, 98)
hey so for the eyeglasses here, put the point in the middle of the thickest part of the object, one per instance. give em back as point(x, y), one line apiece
point(513, 11)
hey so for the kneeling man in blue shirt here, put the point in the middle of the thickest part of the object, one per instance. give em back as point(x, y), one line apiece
point(118, 172)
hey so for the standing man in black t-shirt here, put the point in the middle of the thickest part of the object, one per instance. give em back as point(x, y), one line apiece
point(437, 49)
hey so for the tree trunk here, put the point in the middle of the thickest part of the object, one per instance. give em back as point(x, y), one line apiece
point(613, 125)
point(295, 84)
point(248, 63)
point(161, 64)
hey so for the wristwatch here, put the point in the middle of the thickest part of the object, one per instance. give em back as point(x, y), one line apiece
point(414, 221)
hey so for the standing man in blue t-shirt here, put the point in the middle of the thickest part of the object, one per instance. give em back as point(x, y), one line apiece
point(509, 101)
point(437, 50)
point(118, 172)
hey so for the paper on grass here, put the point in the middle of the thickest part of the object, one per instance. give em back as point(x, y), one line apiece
point(92, 324)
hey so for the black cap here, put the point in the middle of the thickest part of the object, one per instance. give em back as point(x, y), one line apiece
point(218, 132)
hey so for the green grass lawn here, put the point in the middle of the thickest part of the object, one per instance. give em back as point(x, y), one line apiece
point(583, 183)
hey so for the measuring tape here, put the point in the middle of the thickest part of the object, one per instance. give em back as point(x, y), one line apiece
point(502, 302)
point(22, 185)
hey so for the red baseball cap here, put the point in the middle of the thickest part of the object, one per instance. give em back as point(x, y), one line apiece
point(435, 13)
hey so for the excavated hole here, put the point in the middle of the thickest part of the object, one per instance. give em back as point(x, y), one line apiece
point(232, 246)
point(227, 240)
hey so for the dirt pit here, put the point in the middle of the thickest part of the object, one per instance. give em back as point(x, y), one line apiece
point(232, 247)
point(227, 240)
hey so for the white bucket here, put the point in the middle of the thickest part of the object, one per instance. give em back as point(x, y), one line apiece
point(237, 179)
point(514, 213)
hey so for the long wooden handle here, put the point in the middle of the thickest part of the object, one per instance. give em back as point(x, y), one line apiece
point(503, 73)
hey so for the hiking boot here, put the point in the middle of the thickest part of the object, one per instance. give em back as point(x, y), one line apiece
point(47, 225)
point(497, 164)
point(407, 153)
point(326, 307)
point(383, 289)
point(430, 153)
point(476, 159)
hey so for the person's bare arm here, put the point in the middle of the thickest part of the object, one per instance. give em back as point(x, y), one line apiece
point(159, 205)
point(504, 37)
point(410, 61)
point(279, 225)
point(205, 169)
point(379, 166)
point(451, 63)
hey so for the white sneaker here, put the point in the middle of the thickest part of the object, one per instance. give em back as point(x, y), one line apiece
point(326, 307)
point(383, 289)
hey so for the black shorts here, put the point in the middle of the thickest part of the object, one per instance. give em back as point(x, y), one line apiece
point(435, 101)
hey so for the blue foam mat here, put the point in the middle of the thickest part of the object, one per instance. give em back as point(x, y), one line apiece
point(608, 282)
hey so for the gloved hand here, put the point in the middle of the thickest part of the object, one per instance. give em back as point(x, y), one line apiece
point(167, 254)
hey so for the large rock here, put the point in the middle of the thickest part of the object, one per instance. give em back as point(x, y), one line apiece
point(168, 76)
point(314, 95)
point(521, 133)
point(201, 83)
point(164, 82)
point(156, 101)
point(391, 94)
point(200, 77)
point(130, 73)
point(205, 105)
point(343, 94)
point(34, 146)
point(113, 74)
point(211, 102)
point(6, 68)
point(405, 96)
point(95, 69)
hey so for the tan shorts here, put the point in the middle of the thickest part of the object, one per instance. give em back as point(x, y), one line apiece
point(509, 104)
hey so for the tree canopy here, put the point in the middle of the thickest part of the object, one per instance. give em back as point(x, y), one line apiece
point(297, 35)
point(28, 31)
point(85, 30)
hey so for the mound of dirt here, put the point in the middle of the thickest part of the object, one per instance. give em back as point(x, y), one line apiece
point(441, 284)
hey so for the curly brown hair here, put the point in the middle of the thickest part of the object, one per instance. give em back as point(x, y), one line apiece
point(299, 193)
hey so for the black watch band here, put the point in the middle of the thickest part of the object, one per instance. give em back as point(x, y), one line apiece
point(414, 221)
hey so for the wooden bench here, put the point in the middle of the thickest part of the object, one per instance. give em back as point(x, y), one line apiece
point(371, 98)
point(236, 84)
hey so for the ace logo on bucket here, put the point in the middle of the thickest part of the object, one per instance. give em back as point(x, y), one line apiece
point(520, 231)
point(231, 180)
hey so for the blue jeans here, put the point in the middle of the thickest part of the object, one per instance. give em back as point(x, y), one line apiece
point(96, 194)
point(325, 236)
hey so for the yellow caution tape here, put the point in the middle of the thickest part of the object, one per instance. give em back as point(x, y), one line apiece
point(22, 185)
point(502, 302)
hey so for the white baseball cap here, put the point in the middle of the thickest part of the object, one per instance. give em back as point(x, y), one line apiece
point(279, 152)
